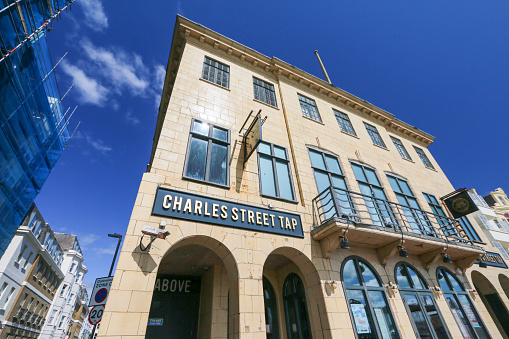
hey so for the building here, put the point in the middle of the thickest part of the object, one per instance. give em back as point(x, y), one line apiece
point(29, 277)
point(332, 227)
point(33, 130)
point(69, 308)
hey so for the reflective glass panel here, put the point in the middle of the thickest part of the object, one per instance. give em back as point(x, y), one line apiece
point(218, 156)
point(362, 317)
point(283, 177)
point(418, 284)
point(279, 152)
point(401, 277)
point(220, 134)
point(368, 275)
point(317, 160)
point(359, 174)
point(264, 148)
point(333, 164)
point(471, 314)
point(267, 176)
point(350, 274)
point(418, 316)
point(459, 316)
point(201, 127)
point(197, 159)
point(373, 179)
point(383, 315)
point(455, 284)
point(434, 316)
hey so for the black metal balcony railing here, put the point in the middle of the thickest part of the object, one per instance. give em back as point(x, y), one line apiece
point(19, 314)
point(363, 210)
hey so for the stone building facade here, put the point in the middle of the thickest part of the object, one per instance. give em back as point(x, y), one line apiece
point(331, 228)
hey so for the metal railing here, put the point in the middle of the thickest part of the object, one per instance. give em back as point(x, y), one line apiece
point(365, 210)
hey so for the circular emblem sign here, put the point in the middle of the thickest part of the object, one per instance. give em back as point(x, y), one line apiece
point(460, 205)
point(96, 314)
point(101, 295)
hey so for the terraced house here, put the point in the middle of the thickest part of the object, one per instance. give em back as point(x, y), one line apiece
point(276, 205)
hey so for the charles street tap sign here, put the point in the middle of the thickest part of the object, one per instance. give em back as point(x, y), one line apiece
point(493, 259)
point(179, 205)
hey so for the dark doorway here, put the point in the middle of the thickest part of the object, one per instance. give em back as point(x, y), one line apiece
point(297, 319)
point(175, 308)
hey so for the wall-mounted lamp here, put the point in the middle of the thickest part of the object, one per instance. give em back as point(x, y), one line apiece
point(446, 258)
point(393, 286)
point(333, 284)
point(402, 252)
point(344, 244)
point(436, 288)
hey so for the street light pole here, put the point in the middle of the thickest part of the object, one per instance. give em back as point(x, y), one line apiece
point(119, 237)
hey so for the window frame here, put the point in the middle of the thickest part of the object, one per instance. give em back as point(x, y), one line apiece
point(342, 118)
point(364, 288)
point(215, 72)
point(266, 90)
point(274, 159)
point(210, 140)
point(371, 133)
point(304, 99)
point(401, 148)
point(424, 158)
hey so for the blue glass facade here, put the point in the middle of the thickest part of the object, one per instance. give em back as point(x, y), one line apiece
point(33, 132)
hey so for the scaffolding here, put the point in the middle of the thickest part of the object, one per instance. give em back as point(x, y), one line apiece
point(33, 129)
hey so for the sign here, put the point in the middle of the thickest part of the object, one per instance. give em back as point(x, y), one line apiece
point(492, 259)
point(460, 204)
point(252, 137)
point(96, 314)
point(361, 318)
point(155, 322)
point(100, 291)
point(179, 205)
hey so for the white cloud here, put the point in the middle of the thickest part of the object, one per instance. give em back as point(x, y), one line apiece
point(130, 118)
point(87, 239)
point(89, 89)
point(104, 250)
point(95, 18)
point(160, 74)
point(122, 69)
point(97, 144)
point(179, 8)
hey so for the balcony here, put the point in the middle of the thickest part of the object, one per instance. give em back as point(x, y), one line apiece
point(367, 221)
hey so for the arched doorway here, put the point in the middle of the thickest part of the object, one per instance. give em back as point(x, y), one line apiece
point(492, 302)
point(300, 305)
point(504, 282)
point(371, 315)
point(461, 306)
point(186, 300)
point(420, 303)
point(271, 313)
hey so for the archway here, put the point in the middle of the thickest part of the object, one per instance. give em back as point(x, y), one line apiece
point(196, 292)
point(504, 282)
point(285, 269)
point(492, 302)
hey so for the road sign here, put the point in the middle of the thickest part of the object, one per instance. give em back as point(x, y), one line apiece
point(100, 291)
point(96, 315)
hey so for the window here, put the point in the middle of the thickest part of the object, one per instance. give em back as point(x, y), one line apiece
point(274, 170)
point(469, 229)
point(375, 136)
point(28, 260)
point(62, 291)
point(216, 72)
point(20, 256)
point(71, 269)
point(344, 122)
point(365, 294)
point(424, 158)
point(270, 303)
point(309, 109)
point(52, 317)
point(71, 296)
point(488, 224)
point(439, 214)
point(378, 207)
point(264, 92)
point(328, 173)
point(501, 248)
point(11, 292)
point(61, 321)
point(461, 307)
point(478, 200)
point(2, 290)
point(401, 149)
point(78, 277)
point(420, 303)
point(296, 314)
point(416, 218)
point(208, 153)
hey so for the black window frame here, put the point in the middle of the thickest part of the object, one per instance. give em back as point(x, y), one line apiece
point(210, 140)
point(296, 299)
point(401, 148)
point(469, 229)
point(274, 159)
point(375, 136)
point(304, 100)
point(270, 303)
point(344, 122)
point(220, 67)
point(443, 270)
point(440, 215)
point(424, 158)
point(267, 89)
point(364, 288)
point(413, 290)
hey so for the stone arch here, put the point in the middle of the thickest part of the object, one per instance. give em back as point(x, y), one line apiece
point(215, 265)
point(504, 283)
point(282, 262)
point(492, 301)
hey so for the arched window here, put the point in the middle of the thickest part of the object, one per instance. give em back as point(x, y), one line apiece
point(371, 316)
point(297, 319)
point(462, 308)
point(420, 304)
point(271, 323)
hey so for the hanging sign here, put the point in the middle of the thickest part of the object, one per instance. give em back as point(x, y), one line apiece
point(460, 204)
point(180, 205)
point(492, 259)
point(252, 137)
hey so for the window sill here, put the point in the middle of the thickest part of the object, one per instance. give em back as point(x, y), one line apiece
point(213, 83)
point(431, 169)
point(205, 182)
point(279, 199)
point(385, 148)
point(409, 160)
point(318, 122)
point(352, 135)
point(266, 104)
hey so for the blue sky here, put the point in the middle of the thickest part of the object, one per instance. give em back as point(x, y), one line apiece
point(440, 66)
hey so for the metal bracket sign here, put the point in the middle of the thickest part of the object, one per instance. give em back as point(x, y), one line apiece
point(252, 137)
point(100, 291)
point(96, 314)
point(492, 259)
point(459, 204)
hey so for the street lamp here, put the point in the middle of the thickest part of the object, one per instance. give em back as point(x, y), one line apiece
point(119, 237)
